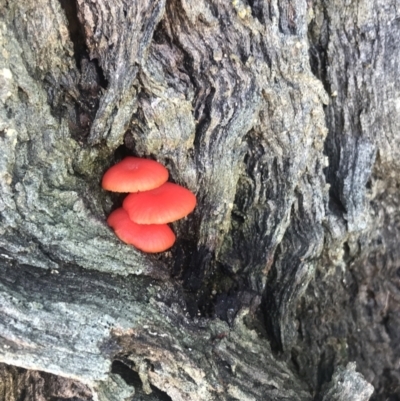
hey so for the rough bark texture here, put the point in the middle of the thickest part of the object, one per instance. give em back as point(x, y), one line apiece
point(283, 117)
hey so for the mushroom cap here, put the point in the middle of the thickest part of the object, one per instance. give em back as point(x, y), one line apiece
point(151, 238)
point(134, 174)
point(162, 205)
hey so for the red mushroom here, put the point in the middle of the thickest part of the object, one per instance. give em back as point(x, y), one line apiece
point(151, 238)
point(162, 205)
point(134, 174)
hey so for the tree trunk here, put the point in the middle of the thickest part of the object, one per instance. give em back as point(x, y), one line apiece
point(283, 117)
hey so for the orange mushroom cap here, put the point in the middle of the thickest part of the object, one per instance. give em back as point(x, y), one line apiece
point(149, 238)
point(134, 174)
point(162, 205)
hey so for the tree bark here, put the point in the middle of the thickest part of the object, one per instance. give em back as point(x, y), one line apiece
point(283, 117)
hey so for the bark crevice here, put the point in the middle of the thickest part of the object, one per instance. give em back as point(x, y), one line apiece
point(282, 117)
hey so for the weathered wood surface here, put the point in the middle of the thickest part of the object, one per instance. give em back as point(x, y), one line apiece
point(283, 117)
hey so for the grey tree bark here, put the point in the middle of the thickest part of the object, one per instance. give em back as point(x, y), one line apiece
point(283, 117)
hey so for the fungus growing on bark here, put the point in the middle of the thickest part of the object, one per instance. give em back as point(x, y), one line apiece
point(152, 203)
point(134, 174)
point(151, 238)
point(165, 204)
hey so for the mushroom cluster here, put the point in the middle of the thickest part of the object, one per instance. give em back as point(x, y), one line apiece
point(151, 204)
